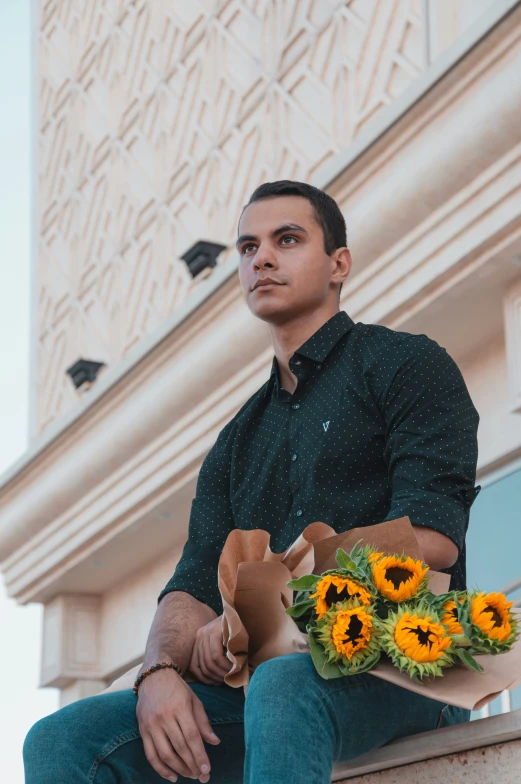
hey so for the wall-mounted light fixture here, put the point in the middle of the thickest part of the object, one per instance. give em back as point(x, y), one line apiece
point(84, 371)
point(201, 255)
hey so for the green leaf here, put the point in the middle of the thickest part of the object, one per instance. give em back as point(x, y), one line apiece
point(298, 609)
point(357, 550)
point(461, 641)
point(306, 582)
point(344, 561)
point(468, 660)
point(324, 668)
point(467, 628)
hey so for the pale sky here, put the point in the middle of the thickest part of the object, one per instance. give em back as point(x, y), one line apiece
point(21, 702)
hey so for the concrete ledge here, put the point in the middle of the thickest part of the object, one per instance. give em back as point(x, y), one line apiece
point(500, 764)
point(445, 742)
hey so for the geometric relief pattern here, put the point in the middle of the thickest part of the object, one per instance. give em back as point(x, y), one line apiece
point(157, 119)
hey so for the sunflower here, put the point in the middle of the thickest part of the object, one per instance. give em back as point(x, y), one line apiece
point(421, 639)
point(351, 631)
point(490, 612)
point(399, 578)
point(417, 642)
point(348, 636)
point(333, 588)
point(492, 626)
point(450, 617)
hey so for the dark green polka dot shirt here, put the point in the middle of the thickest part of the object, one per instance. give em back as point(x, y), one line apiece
point(380, 426)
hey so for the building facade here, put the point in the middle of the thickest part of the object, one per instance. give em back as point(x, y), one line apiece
point(156, 119)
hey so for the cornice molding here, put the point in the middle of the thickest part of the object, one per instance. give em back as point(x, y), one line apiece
point(147, 479)
point(469, 229)
point(512, 313)
point(112, 461)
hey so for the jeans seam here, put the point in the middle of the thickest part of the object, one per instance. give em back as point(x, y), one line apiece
point(227, 720)
point(441, 717)
point(114, 744)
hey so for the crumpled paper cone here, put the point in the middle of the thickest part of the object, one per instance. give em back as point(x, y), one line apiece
point(245, 563)
point(252, 582)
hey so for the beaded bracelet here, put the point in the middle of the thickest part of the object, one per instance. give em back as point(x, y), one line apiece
point(153, 668)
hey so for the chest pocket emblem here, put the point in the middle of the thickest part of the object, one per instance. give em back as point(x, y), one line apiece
point(325, 425)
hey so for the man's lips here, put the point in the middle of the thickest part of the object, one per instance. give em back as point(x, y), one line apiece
point(265, 283)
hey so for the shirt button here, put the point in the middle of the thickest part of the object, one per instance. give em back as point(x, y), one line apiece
point(298, 362)
point(294, 457)
point(296, 406)
point(299, 513)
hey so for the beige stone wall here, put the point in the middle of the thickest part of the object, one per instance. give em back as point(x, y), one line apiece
point(157, 118)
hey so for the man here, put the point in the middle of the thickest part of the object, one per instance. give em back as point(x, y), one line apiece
point(357, 424)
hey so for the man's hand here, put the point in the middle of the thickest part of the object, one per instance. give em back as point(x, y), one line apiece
point(173, 725)
point(209, 663)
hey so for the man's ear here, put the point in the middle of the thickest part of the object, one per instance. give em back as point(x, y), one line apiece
point(341, 265)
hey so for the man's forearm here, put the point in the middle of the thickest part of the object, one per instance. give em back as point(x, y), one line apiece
point(173, 630)
point(439, 551)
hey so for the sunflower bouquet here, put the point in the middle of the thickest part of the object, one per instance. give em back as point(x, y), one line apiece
point(375, 605)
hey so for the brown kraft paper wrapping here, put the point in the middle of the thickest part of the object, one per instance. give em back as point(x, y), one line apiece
point(252, 581)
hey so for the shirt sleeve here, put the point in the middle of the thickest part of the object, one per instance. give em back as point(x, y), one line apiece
point(431, 438)
point(211, 521)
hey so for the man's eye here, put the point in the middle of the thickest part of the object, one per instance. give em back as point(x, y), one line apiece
point(288, 237)
point(246, 247)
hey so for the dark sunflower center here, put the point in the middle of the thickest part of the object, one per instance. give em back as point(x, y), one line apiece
point(423, 637)
point(353, 630)
point(397, 575)
point(496, 617)
point(333, 594)
point(454, 613)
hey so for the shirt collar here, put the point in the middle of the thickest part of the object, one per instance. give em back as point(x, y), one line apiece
point(319, 345)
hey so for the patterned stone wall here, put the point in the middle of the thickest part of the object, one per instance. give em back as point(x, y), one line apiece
point(157, 118)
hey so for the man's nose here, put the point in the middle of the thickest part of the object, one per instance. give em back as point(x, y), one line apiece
point(264, 258)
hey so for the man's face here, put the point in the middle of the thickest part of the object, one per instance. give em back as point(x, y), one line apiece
point(279, 238)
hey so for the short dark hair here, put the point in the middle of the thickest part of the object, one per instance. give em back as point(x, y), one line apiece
point(327, 212)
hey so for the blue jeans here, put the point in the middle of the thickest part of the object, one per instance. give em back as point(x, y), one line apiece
point(292, 726)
